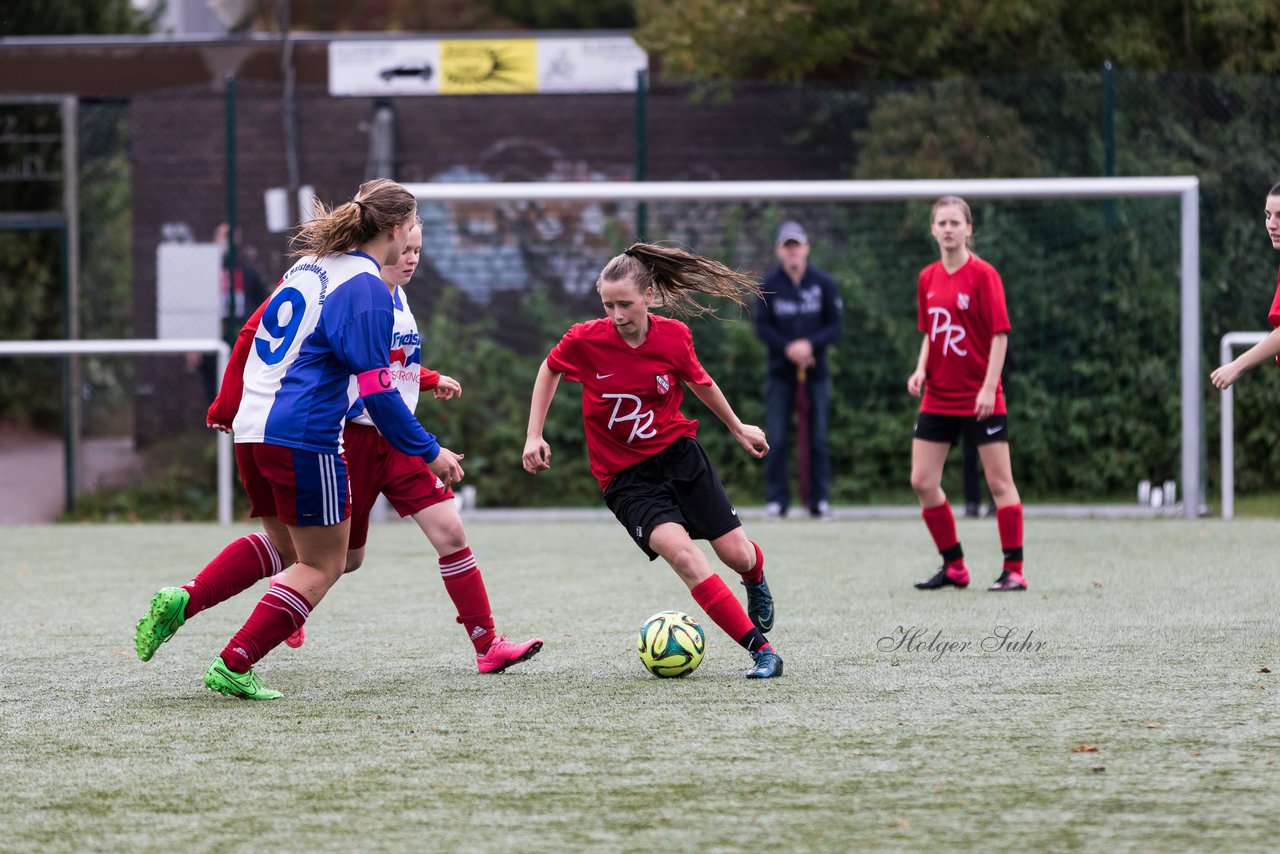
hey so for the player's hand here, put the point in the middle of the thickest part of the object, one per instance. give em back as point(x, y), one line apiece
point(447, 388)
point(218, 425)
point(537, 455)
point(800, 352)
point(447, 466)
point(984, 405)
point(752, 438)
point(915, 383)
point(1224, 377)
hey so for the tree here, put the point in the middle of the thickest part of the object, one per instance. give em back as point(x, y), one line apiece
point(567, 14)
point(852, 40)
point(72, 18)
point(947, 131)
point(445, 16)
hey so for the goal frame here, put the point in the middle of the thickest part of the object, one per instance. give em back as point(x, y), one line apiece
point(1186, 188)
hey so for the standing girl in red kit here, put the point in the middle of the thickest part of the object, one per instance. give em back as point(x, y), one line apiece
point(965, 323)
point(656, 478)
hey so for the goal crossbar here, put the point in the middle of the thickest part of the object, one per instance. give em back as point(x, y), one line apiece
point(1186, 188)
point(126, 347)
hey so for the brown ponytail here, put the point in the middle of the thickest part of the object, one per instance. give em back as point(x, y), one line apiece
point(675, 275)
point(379, 206)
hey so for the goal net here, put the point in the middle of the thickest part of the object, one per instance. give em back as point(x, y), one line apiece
point(1101, 278)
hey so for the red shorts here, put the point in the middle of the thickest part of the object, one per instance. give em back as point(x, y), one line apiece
point(301, 488)
point(376, 467)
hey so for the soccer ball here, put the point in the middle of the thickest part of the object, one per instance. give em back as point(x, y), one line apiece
point(671, 644)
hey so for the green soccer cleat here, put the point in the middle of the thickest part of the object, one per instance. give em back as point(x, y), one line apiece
point(246, 686)
point(166, 615)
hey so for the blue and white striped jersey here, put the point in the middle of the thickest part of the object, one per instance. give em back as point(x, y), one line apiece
point(328, 321)
point(406, 359)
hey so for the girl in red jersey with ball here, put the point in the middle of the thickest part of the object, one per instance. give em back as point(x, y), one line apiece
point(966, 333)
point(656, 478)
point(1268, 348)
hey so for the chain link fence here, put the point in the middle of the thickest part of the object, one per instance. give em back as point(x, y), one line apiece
point(1092, 286)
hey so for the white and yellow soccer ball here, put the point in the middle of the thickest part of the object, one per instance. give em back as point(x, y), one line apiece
point(671, 644)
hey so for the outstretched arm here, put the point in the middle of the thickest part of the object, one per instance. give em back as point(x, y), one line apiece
point(749, 436)
point(537, 453)
point(1264, 351)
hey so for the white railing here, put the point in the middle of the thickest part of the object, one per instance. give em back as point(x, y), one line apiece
point(128, 347)
point(1229, 342)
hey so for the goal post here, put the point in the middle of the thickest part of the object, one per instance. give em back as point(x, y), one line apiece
point(1226, 351)
point(1185, 188)
point(134, 347)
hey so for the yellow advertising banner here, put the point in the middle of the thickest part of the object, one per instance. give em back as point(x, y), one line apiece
point(488, 66)
point(412, 67)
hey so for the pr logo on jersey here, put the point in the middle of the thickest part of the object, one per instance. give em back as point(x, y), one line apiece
point(664, 383)
point(951, 333)
point(641, 422)
point(962, 301)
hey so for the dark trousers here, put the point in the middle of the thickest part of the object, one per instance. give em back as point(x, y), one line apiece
point(780, 396)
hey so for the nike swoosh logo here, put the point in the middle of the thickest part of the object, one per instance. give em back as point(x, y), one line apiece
point(603, 376)
point(734, 511)
point(991, 431)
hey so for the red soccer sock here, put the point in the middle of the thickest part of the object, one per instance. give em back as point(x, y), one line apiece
point(465, 586)
point(942, 527)
point(1009, 521)
point(280, 613)
point(238, 567)
point(715, 597)
point(756, 575)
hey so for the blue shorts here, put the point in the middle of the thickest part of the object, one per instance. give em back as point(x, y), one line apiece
point(301, 488)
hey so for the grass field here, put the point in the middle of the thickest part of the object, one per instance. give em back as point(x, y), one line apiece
point(1154, 639)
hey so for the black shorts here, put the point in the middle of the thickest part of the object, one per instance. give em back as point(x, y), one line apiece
point(677, 484)
point(932, 427)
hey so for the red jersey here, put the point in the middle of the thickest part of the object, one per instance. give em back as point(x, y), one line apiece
point(1273, 316)
point(630, 395)
point(960, 312)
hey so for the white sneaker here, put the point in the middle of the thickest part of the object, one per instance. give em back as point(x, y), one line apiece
point(773, 510)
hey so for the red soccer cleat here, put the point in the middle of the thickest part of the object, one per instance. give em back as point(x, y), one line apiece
point(955, 576)
point(1010, 579)
point(503, 653)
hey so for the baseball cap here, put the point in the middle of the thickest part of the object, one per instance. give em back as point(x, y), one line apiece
point(790, 231)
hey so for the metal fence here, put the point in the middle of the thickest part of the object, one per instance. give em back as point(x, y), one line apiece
point(154, 188)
